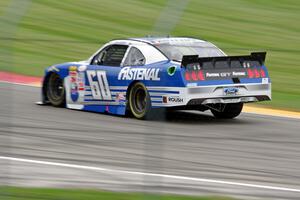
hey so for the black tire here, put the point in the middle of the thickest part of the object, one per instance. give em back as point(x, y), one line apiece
point(56, 90)
point(139, 102)
point(230, 111)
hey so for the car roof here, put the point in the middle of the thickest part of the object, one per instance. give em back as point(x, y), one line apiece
point(168, 40)
point(146, 43)
point(154, 41)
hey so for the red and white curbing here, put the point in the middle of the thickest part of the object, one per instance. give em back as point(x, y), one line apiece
point(9, 77)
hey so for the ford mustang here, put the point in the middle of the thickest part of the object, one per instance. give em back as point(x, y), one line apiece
point(143, 75)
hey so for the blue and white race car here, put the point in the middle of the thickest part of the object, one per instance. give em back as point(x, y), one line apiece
point(141, 75)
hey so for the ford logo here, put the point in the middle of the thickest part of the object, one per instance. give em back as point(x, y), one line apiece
point(231, 90)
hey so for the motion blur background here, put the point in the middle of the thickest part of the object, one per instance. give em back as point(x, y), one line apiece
point(37, 33)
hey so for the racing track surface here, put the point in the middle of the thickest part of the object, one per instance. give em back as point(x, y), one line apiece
point(251, 149)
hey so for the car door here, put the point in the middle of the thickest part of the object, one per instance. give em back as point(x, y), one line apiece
point(102, 73)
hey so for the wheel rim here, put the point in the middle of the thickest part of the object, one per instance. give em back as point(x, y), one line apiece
point(56, 88)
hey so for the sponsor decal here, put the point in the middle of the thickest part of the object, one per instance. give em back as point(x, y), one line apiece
point(165, 99)
point(73, 82)
point(193, 66)
point(172, 99)
point(81, 81)
point(201, 75)
point(246, 64)
point(171, 70)
point(99, 84)
point(52, 69)
point(73, 68)
point(120, 97)
point(238, 73)
point(225, 74)
point(82, 68)
point(128, 73)
point(191, 84)
point(77, 83)
point(208, 74)
point(265, 80)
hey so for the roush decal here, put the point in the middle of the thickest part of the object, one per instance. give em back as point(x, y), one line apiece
point(172, 99)
point(128, 73)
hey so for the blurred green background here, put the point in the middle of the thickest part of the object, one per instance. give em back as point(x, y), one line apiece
point(15, 193)
point(47, 32)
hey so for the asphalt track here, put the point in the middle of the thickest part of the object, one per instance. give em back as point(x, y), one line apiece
point(253, 149)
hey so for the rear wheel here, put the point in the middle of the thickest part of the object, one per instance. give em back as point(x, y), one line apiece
point(227, 111)
point(56, 90)
point(139, 101)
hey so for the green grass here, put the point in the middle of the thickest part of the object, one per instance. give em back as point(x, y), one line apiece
point(67, 30)
point(14, 193)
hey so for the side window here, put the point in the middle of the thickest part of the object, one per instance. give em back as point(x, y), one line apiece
point(134, 58)
point(110, 56)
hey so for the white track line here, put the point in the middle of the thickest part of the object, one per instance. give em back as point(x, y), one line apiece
point(204, 180)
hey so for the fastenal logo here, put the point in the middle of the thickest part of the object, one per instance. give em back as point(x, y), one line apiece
point(128, 73)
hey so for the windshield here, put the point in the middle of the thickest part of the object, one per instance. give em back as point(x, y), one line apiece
point(175, 52)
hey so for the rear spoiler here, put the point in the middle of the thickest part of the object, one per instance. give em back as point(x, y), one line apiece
point(225, 61)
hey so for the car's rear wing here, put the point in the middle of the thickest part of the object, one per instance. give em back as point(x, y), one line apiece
point(255, 59)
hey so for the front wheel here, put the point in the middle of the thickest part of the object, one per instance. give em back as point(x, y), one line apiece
point(228, 111)
point(56, 90)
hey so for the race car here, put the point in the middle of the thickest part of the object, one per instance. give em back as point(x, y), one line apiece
point(140, 76)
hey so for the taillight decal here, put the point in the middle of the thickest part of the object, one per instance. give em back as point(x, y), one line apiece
point(194, 76)
point(187, 76)
point(250, 73)
point(200, 76)
point(257, 75)
point(262, 73)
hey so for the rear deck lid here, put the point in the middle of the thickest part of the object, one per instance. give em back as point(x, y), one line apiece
point(225, 67)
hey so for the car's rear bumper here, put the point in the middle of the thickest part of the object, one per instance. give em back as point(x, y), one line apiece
point(202, 95)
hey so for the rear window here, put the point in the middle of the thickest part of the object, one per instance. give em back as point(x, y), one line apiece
point(176, 52)
point(134, 58)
